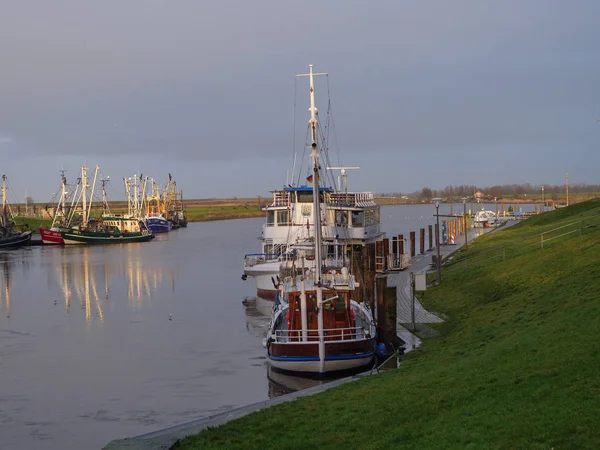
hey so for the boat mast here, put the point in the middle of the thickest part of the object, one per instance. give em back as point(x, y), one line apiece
point(4, 219)
point(84, 187)
point(314, 156)
point(63, 192)
point(93, 187)
point(104, 202)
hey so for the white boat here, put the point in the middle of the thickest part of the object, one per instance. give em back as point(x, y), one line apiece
point(316, 327)
point(484, 219)
point(347, 219)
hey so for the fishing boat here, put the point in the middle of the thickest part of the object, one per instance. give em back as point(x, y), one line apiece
point(349, 220)
point(173, 207)
point(9, 236)
point(155, 219)
point(317, 327)
point(107, 229)
point(62, 213)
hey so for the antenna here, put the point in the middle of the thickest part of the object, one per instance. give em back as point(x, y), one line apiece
point(343, 176)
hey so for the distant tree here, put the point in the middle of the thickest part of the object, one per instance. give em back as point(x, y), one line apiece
point(29, 200)
point(426, 194)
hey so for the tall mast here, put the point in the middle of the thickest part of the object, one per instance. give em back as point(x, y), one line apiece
point(63, 192)
point(97, 168)
point(84, 187)
point(4, 214)
point(314, 156)
point(104, 202)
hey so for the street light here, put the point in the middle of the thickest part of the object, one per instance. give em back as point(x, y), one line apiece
point(437, 239)
point(464, 199)
point(496, 204)
point(543, 203)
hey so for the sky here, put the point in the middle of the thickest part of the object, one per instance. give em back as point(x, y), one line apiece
point(427, 93)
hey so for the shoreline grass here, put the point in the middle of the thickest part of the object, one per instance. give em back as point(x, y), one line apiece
point(514, 366)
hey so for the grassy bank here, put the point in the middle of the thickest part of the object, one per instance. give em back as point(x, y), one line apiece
point(515, 364)
point(222, 212)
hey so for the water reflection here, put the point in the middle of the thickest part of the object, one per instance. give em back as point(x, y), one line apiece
point(89, 280)
point(5, 298)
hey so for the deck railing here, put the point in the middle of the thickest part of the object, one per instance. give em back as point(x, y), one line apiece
point(329, 335)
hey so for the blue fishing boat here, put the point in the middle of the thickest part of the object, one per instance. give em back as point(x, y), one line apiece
point(158, 224)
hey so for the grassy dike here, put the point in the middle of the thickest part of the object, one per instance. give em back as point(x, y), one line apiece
point(516, 364)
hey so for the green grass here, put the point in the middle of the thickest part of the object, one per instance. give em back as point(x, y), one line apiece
point(516, 364)
point(33, 224)
point(222, 212)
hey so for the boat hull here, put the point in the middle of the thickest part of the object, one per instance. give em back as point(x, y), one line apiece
point(50, 236)
point(158, 224)
point(83, 237)
point(16, 240)
point(304, 357)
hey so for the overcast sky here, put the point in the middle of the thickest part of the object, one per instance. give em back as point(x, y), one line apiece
point(424, 93)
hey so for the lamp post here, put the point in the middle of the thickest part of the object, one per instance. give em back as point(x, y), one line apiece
point(496, 205)
point(543, 203)
point(464, 199)
point(437, 240)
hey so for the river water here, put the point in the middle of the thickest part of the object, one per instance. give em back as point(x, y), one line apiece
point(101, 343)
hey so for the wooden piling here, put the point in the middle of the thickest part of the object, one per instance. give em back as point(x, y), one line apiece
point(386, 313)
point(357, 268)
point(422, 240)
point(430, 234)
point(386, 254)
point(369, 277)
point(412, 244)
point(450, 208)
point(401, 244)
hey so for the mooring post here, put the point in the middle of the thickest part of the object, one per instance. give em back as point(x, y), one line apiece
point(370, 271)
point(401, 245)
point(357, 268)
point(412, 244)
point(422, 240)
point(386, 312)
point(430, 235)
point(386, 254)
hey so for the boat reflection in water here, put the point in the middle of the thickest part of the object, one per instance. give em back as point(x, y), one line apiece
point(94, 281)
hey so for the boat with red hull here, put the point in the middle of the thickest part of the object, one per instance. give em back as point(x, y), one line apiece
point(51, 236)
point(63, 213)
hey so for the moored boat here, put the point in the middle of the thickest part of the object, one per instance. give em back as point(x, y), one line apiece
point(109, 228)
point(347, 220)
point(9, 237)
point(317, 327)
point(61, 215)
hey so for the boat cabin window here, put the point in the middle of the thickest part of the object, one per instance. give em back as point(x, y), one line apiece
point(270, 217)
point(370, 218)
point(283, 218)
point(357, 218)
point(341, 218)
point(307, 197)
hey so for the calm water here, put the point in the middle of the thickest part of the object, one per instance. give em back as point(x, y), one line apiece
point(99, 343)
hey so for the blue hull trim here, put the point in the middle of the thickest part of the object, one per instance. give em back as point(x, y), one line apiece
point(316, 358)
